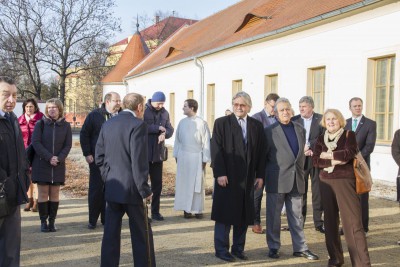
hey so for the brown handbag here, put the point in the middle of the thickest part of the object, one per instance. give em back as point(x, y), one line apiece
point(363, 175)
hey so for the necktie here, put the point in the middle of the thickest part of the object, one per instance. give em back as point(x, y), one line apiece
point(243, 125)
point(354, 125)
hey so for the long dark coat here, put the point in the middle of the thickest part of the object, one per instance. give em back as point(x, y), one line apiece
point(234, 204)
point(396, 157)
point(55, 140)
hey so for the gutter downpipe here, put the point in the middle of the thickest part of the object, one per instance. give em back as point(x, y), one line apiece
point(126, 86)
point(200, 65)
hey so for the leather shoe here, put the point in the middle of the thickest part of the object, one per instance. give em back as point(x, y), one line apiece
point(225, 256)
point(199, 215)
point(157, 217)
point(273, 253)
point(91, 226)
point(306, 254)
point(320, 229)
point(257, 229)
point(240, 255)
point(187, 215)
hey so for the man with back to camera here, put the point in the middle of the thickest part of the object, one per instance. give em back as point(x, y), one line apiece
point(266, 117)
point(14, 182)
point(365, 130)
point(311, 123)
point(159, 129)
point(88, 139)
point(119, 154)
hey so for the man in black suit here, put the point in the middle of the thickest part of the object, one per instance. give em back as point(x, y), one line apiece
point(14, 182)
point(365, 130)
point(238, 158)
point(121, 153)
point(311, 122)
point(88, 137)
point(266, 117)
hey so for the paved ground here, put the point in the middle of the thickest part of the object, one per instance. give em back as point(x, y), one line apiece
point(183, 242)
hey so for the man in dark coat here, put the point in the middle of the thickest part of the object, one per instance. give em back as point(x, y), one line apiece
point(284, 182)
point(88, 137)
point(14, 181)
point(365, 130)
point(266, 117)
point(311, 123)
point(119, 154)
point(238, 160)
point(159, 129)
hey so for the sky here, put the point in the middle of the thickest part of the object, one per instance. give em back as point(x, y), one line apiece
point(126, 11)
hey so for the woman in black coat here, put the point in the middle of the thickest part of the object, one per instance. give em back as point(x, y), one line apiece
point(52, 140)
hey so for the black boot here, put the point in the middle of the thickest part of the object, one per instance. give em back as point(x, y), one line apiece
point(53, 208)
point(43, 215)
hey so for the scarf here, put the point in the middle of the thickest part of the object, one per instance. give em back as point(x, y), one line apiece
point(331, 145)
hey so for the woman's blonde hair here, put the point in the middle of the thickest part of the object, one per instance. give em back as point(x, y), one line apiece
point(59, 105)
point(338, 115)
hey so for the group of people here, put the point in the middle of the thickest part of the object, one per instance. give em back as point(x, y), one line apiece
point(49, 138)
point(273, 150)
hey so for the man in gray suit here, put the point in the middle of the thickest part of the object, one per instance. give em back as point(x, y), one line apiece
point(266, 117)
point(365, 130)
point(311, 123)
point(121, 153)
point(284, 178)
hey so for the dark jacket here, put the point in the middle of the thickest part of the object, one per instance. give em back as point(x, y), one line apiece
point(263, 118)
point(28, 127)
point(54, 140)
point(91, 129)
point(235, 202)
point(120, 154)
point(154, 119)
point(396, 157)
point(345, 151)
point(13, 163)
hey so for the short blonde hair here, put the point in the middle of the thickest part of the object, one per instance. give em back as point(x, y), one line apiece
point(59, 105)
point(337, 114)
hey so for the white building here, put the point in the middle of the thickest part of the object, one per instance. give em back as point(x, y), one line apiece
point(330, 50)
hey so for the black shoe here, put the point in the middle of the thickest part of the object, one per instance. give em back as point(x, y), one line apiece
point(52, 226)
point(199, 215)
point(240, 255)
point(273, 253)
point(285, 228)
point(91, 226)
point(225, 256)
point(43, 227)
point(157, 217)
point(187, 215)
point(306, 254)
point(320, 229)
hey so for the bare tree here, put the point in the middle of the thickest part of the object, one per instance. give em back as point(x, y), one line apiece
point(74, 32)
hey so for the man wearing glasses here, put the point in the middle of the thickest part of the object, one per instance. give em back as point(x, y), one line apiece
point(266, 117)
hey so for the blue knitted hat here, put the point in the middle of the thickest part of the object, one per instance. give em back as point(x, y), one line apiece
point(158, 97)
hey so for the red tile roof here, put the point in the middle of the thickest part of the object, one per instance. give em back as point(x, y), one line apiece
point(229, 27)
point(133, 54)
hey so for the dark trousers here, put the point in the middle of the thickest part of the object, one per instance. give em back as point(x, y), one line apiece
point(364, 200)
point(10, 239)
point(313, 173)
point(96, 201)
point(258, 195)
point(339, 197)
point(111, 245)
point(155, 172)
point(221, 238)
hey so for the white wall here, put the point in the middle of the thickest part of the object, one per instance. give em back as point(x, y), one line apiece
point(343, 47)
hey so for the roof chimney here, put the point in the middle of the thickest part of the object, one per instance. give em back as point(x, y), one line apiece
point(157, 19)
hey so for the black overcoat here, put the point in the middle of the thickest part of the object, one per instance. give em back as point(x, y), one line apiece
point(234, 204)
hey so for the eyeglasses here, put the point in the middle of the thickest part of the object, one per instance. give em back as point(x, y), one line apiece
point(269, 104)
point(236, 105)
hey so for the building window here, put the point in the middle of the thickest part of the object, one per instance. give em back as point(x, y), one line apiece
point(236, 87)
point(172, 108)
point(383, 97)
point(210, 105)
point(190, 94)
point(270, 84)
point(316, 87)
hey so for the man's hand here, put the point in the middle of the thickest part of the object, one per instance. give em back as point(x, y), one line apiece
point(149, 197)
point(307, 151)
point(89, 159)
point(222, 181)
point(259, 183)
point(162, 128)
point(54, 161)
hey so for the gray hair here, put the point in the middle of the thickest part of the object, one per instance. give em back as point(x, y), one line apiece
point(307, 99)
point(245, 96)
point(281, 100)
